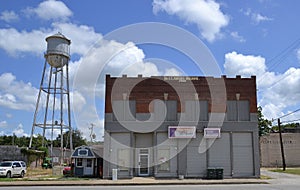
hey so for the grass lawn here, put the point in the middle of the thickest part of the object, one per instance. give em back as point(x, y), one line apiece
point(288, 170)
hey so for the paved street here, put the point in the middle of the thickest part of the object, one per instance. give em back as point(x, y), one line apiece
point(280, 181)
point(178, 187)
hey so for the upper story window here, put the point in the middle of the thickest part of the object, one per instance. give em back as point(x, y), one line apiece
point(167, 109)
point(238, 110)
point(124, 110)
point(196, 110)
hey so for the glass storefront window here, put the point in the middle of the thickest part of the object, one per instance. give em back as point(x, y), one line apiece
point(123, 159)
point(163, 160)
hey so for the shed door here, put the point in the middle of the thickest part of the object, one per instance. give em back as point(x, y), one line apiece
point(243, 165)
point(88, 166)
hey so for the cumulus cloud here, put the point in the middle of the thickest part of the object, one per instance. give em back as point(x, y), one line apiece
point(237, 37)
point(9, 16)
point(277, 92)
point(16, 94)
point(32, 42)
point(3, 123)
point(50, 10)
point(245, 65)
point(83, 37)
point(206, 14)
point(256, 17)
point(298, 54)
point(19, 131)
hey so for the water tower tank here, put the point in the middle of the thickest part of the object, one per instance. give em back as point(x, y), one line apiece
point(58, 50)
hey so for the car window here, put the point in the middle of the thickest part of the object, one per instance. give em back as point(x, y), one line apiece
point(23, 164)
point(16, 164)
point(5, 164)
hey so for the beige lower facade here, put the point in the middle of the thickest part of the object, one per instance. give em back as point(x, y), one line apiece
point(271, 152)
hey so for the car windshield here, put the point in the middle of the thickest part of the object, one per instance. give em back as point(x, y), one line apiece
point(5, 164)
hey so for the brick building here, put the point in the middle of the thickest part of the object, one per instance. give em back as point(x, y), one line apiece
point(180, 126)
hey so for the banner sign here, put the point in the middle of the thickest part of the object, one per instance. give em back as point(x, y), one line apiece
point(182, 132)
point(212, 133)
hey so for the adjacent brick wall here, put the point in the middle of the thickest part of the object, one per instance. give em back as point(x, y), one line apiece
point(271, 152)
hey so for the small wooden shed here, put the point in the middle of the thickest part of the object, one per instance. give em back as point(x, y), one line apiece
point(88, 161)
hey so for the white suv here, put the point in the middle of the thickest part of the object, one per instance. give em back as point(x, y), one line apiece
point(12, 168)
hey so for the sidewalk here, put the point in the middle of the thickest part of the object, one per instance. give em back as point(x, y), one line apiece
point(134, 181)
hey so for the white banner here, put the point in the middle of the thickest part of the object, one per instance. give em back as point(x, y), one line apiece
point(182, 132)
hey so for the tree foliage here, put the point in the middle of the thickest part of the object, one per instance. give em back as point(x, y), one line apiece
point(77, 139)
point(264, 125)
point(37, 141)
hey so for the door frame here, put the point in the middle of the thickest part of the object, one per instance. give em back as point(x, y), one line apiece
point(88, 170)
point(139, 161)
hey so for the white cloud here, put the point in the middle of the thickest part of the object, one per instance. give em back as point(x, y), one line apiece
point(50, 10)
point(237, 37)
point(16, 94)
point(83, 37)
point(277, 92)
point(32, 42)
point(256, 17)
point(245, 65)
point(298, 54)
point(19, 131)
point(8, 115)
point(9, 16)
point(206, 14)
point(3, 123)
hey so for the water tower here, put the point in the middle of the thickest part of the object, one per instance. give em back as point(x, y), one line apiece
point(52, 112)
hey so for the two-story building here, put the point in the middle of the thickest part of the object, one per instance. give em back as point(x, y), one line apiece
point(180, 126)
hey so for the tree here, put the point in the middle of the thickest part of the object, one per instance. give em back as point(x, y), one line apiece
point(263, 124)
point(77, 138)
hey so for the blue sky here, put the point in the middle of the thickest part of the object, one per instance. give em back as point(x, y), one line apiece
point(255, 37)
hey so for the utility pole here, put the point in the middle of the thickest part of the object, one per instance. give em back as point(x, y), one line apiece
point(92, 131)
point(281, 146)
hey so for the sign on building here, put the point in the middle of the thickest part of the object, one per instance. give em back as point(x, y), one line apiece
point(182, 132)
point(212, 133)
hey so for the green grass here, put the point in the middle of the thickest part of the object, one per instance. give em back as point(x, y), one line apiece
point(7, 179)
point(295, 171)
point(264, 177)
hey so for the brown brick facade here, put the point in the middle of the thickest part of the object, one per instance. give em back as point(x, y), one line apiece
point(145, 89)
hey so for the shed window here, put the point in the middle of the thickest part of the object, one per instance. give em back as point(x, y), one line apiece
point(79, 162)
point(82, 152)
point(89, 163)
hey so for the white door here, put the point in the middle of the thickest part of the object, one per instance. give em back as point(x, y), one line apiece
point(16, 168)
point(143, 162)
point(88, 166)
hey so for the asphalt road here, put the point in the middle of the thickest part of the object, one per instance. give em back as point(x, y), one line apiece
point(280, 181)
point(179, 187)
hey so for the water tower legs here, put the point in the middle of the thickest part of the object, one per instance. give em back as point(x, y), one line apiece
point(52, 112)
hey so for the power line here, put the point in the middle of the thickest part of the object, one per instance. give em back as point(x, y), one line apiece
point(275, 61)
point(290, 121)
point(289, 114)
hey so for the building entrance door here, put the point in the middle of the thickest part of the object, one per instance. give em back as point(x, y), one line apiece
point(143, 162)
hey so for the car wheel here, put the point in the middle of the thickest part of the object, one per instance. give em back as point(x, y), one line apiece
point(22, 174)
point(8, 175)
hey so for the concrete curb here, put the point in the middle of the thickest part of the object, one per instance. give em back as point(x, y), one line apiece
point(131, 182)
